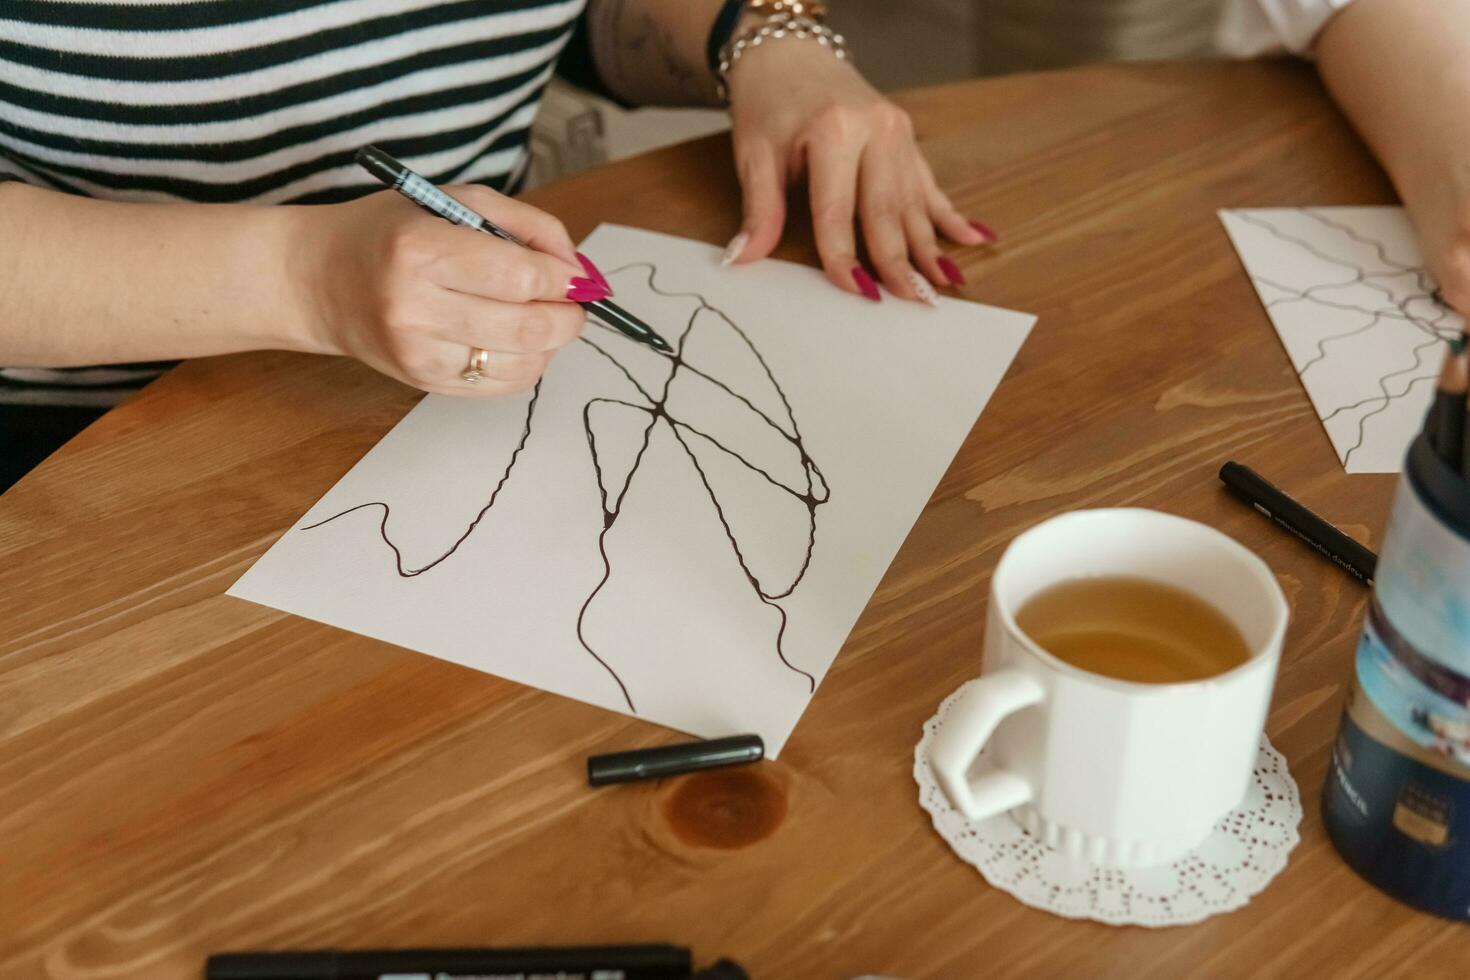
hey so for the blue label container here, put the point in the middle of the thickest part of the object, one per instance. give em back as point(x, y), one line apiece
point(1397, 801)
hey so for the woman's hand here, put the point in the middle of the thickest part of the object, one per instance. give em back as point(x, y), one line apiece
point(410, 294)
point(1441, 217)
point(796, 108)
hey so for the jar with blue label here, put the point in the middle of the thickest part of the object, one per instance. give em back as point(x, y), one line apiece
point(1397, 801)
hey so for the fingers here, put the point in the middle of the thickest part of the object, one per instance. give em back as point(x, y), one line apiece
point(515, 372)
point(500, 374)
point(507, 328)
point(1454, 270)
point(889, 185)
point(438, 366)
point(530, 224)
point(543, 232)
point(489, 268)
point(885, 202)
point(924, 250)
point(763, 191)
point(953, 225)
point(942, 213)
point(429, 347)
point(832, 177)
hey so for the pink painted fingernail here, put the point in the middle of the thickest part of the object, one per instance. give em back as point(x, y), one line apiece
point(951, 271)
point(594, 273)
point(865, 283)
point(582, 290)
point(985, 232)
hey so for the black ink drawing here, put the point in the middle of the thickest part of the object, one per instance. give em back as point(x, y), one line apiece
point(650, 402)
point(1409, 298)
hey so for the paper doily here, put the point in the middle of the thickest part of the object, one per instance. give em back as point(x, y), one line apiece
point(1248, 848)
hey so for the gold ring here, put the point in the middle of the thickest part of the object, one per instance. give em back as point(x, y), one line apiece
point(475, 370)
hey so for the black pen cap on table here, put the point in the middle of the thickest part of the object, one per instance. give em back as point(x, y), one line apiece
point(643, 962)
point(671, 760)
point(1258, 492)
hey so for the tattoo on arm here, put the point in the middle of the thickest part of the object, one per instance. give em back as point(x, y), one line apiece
point(640, 56)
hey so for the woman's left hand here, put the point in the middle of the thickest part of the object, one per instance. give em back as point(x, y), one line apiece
point(798, 109)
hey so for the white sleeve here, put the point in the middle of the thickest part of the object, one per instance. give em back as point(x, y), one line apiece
point(1252, 27)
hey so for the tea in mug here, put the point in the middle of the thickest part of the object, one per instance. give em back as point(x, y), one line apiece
point(1134, 629)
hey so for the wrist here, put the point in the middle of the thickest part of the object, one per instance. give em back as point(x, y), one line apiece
point(303, 266)
point(791, 59)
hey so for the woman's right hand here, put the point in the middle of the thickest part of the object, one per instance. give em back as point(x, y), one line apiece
point(410, 294)
point(1442, 222)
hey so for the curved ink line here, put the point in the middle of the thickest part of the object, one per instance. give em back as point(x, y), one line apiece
point(609, 517)
point(1308, 295)
point(1397, 310)
point(1363, 422)
point(619, 365)
point(1378, 247)
point(704, 304)
point(1302, 243)
point(740, 459)
point(596, 462)
point(1322, 344)
point(657, 413)
point(1361, 276)
point(582, 615)
point(495, 494)
point(1388, 397)
point(781, 635)
point(811, 506)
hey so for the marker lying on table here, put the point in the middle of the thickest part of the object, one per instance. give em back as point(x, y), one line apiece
point(650, 962)
point(1252, 488)
point(432, 199)
point(671, 760)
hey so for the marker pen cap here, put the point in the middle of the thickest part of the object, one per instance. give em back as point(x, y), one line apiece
point(670, 760)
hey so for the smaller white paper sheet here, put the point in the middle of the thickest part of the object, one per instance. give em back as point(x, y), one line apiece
point(1348, 294)
point(688, 541)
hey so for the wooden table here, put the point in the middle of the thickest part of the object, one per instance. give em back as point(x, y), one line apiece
point(182, 772)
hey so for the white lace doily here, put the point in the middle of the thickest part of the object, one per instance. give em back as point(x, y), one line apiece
point(1248, 848)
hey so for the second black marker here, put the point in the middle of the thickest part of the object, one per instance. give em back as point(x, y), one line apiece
point(1255, 490)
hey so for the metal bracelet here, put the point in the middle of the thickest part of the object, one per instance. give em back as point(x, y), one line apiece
point(779, 25)
point(815, 9)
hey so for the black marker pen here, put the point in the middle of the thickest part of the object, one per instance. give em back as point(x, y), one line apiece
point(652, 962)
point(418, 190)
point(1252, 488)
point(671, 760)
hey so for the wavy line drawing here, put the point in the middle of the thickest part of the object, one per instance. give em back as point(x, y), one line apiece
point(650, 403)
point(1403, 328)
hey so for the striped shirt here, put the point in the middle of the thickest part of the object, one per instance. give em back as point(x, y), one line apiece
point(262, 101)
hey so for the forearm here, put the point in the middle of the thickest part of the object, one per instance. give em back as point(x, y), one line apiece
point(1400, 70)
point(652, 52)
point(96, 282)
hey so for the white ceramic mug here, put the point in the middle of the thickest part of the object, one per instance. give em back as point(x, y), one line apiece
point(1110, 771)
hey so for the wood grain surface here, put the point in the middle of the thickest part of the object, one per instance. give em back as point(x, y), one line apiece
point(182, 772)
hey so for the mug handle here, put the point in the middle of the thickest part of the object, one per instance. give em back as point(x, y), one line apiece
point(967, 727)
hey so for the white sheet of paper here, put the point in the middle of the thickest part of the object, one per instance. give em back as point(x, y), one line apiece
point(672, 627)
point(1349, 296)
